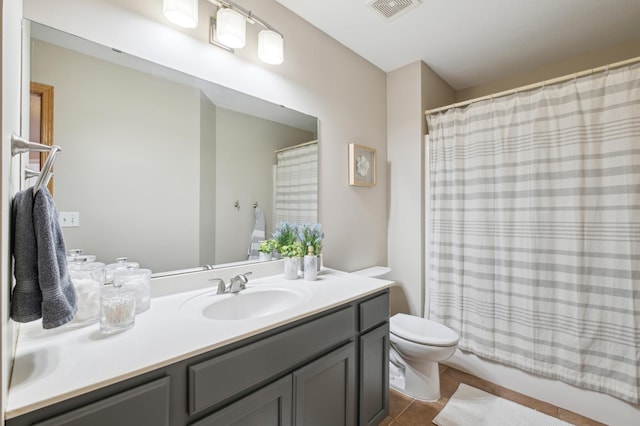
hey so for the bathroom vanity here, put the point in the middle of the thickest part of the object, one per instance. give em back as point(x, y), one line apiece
point(321, 361)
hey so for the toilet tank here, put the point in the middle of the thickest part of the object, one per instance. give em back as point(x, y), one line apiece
point(373, 271)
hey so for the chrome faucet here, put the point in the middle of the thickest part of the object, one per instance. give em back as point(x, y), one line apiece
point(238, 283)
point(222, 288)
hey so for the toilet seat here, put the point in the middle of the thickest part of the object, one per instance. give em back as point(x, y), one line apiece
point(422, 330)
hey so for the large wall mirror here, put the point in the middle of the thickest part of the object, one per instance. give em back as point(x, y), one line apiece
point(161, 167)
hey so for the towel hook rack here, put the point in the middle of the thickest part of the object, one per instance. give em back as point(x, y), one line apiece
point(20, 146)
point(30, 173)
point(45, 173)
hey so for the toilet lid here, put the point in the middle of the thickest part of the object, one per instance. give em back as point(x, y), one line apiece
point(422, 330)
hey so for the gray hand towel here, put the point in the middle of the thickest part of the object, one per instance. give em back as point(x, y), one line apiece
point(43, 286)
point(26, 300)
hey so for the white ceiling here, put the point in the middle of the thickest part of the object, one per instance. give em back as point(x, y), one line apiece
point(472, 42)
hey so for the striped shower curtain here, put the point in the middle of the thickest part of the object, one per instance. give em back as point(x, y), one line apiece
point(296, 185)
point(535, 230)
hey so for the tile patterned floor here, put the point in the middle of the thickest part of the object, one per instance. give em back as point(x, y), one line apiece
point(405, 411)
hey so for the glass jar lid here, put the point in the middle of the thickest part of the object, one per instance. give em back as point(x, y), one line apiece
point(122, 263)
point(84, 263)
point(74, 255)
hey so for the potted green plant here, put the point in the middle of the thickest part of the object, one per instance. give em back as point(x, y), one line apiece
point(292, 254)
point(265, 250)
point(285, 235)
point(311, 236)
point(287, 244)
point(292, 250)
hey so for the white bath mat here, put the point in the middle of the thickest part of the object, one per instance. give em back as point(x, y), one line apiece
point(470, 406)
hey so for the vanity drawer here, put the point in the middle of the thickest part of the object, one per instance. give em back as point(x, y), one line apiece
point(374, 311)
point(270, 405)
point(146, 405)
point(218, 379)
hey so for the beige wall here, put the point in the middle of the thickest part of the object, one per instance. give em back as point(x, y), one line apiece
point(410, 90)
point(108, 118)
point(319, 77)
point(208, 118)
point(545, 72)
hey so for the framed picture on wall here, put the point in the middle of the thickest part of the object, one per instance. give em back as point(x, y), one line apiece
point(362, 165)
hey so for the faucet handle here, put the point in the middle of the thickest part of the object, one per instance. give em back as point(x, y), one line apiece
point(222, 288)
point(238, 282)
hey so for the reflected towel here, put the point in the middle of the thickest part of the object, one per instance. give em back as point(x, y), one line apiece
point(43, 287)
point(258, 234)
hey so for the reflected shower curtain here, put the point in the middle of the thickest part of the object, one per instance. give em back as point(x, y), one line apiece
point(535, 230)
point(296, 185)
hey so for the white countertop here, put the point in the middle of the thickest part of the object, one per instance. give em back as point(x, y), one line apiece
point(54, 365)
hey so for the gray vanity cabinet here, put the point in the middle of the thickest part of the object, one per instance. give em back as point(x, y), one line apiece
point(325, 390)
point(373, 360)
point(327, 369)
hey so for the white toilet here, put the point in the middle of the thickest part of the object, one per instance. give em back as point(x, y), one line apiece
point(417, 345)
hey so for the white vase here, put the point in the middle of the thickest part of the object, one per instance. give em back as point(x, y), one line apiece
point(291, 268)
point(265, 257)
point(310, 268)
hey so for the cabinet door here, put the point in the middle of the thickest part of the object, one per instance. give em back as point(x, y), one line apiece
point(269, 406)
point(146, 405)
point(374, 375)
point(324, 391)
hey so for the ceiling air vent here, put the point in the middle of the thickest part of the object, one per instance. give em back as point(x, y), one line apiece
point(391, 9)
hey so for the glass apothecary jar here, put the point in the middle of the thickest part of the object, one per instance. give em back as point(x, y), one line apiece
point(117, 309)
point(87, 278)
point(138, 280)
point(121, 264)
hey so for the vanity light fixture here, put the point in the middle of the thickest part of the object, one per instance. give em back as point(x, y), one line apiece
point(228, 32)
point(181, 12)
point(228, 28)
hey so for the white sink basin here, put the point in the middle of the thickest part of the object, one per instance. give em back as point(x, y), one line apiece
point(254, 302)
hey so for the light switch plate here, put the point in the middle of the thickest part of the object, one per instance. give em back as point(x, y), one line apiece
point(70, 219)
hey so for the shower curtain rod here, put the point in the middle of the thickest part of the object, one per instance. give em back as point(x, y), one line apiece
point(296, 146)
point(535, 85)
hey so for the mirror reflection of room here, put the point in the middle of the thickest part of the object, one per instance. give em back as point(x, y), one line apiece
point(154, 160)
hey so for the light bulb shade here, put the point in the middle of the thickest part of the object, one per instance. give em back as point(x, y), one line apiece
point(230, 28)
point(270, 47)
point(181, 12)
